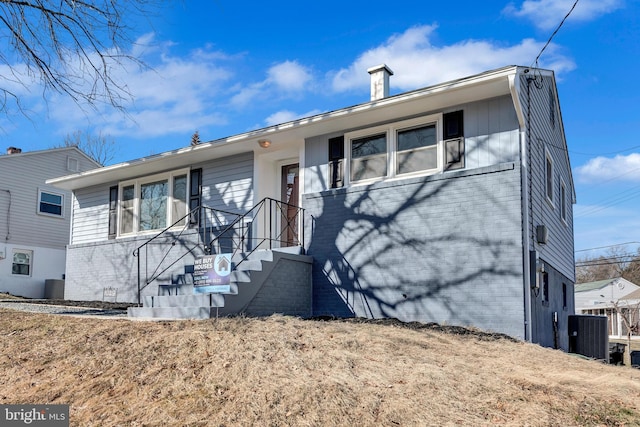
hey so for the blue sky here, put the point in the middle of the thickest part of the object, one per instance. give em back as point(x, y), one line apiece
point(223, 68)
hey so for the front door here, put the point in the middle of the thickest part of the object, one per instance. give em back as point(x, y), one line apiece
point(289, 211)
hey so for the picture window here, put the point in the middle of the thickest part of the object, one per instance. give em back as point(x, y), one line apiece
point(153, 203)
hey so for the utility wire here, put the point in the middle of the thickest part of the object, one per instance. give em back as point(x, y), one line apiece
point(608, 246)
point(555, 32)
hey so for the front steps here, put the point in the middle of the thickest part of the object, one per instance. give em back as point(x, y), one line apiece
point(266, 282)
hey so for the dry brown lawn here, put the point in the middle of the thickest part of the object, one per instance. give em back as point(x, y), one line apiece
point(282, 371)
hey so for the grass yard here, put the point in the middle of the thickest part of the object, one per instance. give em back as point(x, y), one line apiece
point(282, 371)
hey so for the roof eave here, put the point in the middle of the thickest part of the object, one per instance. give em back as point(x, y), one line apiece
point(441, 96)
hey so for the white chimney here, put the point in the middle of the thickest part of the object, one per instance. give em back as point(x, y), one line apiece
point(379, 81)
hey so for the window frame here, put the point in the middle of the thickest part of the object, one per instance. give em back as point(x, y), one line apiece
point(39, 211)
point(549, 177)
point(391, 131)
point(30, 255)
point(563, 202)
point(137, 184)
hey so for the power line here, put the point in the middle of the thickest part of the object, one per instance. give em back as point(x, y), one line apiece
point(621, 197)
point(608, 246)
point(554, 33)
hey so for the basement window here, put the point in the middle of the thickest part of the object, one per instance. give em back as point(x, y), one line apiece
point(21, 262)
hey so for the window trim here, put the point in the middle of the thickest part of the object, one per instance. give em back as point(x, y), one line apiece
point(563, 202)
point(40, 201)
point(548, 185)
point(22, 251)
point(137, 184)
point(391, 131)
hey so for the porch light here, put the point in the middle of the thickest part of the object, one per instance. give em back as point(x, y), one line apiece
point(264, 143)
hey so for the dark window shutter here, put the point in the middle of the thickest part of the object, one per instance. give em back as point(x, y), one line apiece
point(336, 161)
point(454, 152)
point(113, 212)
point(453, 128)
point(453, 125)
point(195, 194)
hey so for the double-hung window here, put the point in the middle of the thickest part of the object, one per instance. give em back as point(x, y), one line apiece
point(50, 203)
point(369, 157)
point(417, 149)
point(153, 203)
point(410, 147)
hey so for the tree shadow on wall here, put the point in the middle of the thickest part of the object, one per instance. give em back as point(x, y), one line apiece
point(443, 248)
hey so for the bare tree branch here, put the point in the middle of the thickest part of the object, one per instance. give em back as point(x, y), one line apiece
point(70, 47)
point(101, 148)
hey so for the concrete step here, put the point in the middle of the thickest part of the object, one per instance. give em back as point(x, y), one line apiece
point(239, 276)
point(295, 250)
point(203, 300)
point(170, 313)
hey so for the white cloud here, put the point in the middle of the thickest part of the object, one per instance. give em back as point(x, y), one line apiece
point(547, 14)
point(618, 168)
point(176, 95)
point(416, 62)
point(289, 76)
point(283, 80)
point(287, 116)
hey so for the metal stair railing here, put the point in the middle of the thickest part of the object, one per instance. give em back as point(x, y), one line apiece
point(282, 225)
point(196, 220)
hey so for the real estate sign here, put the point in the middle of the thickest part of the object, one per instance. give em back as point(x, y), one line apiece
point(212, 274)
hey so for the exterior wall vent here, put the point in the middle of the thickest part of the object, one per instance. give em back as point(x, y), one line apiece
point(542, 234)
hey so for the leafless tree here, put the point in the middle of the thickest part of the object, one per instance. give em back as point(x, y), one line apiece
point(618, 262)
point(70, 47)
point(629, 314)
point(101, 148)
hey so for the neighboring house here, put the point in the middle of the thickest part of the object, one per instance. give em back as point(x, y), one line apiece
point(449, 204)
point(618, 299)
point(35, 217)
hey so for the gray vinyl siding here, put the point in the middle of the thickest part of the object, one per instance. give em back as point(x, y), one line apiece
point(22, 175)
point(491, 133)
point(491, 137)
point(91, 214)
point(545, 136)
point(444, 248)
point(227, 184)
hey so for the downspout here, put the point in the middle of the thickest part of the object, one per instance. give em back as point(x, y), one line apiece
point(514, 87)
point(8, 235)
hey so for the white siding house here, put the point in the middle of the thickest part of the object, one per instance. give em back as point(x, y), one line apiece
point(35, 217)
point(617, 298)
